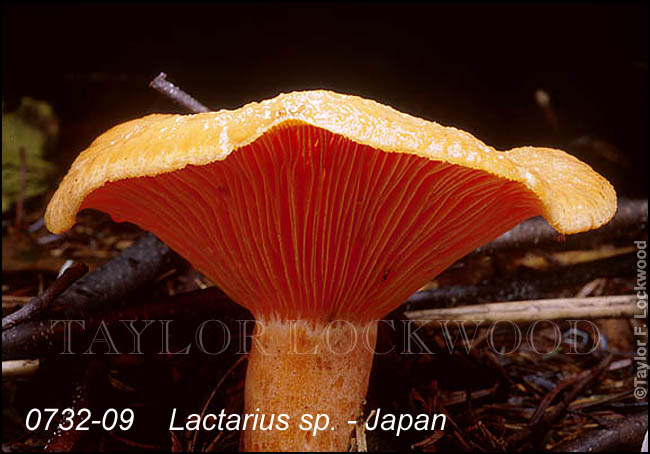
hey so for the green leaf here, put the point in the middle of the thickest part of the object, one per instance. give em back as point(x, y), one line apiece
point(32, 126)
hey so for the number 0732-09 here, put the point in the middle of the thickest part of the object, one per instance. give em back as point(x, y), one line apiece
point(79, 419)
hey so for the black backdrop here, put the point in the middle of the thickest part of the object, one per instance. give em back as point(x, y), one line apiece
point(475, 67)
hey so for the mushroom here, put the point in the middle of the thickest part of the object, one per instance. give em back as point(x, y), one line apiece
point(320, 213)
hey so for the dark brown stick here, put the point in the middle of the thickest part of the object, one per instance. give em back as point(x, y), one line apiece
point(161, 84)
point(526, 285)
point(630, 220)
point(539, 428)
point(626, 434)
point(570, 396)
point(106, 287)
point(35, 338)
point(552, 394)
point(40, 303)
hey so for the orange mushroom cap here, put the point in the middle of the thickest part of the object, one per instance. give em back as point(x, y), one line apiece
point(319, 205)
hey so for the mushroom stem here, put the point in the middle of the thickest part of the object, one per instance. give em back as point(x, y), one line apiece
point(297, 368)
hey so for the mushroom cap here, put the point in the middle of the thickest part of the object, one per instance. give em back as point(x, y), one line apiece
point(575, 198)
point(316, 205)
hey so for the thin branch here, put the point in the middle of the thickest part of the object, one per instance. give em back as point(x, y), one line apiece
point(161, 84)
point(527, 284)
point(553, 393)
point(630, 220)
point(539, 427)
point(106, 287)
point(626, 433)
point(40, 303)
point(531, 310)
point(34, 338)
point(19, 367)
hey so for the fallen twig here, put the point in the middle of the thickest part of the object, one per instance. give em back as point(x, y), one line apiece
point(40, 303)
point(161, 84)
point(553, 393)
point(625, 434)
point(630, 220)
point(360, 440)
point(531, 310)
point(539, 426)
point(528, 284)
point(39, 337)
point(104, 288)
point(19, 367)
point(135, 267)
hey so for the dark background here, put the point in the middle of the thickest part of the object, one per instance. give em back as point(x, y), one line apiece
point(475, 67)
